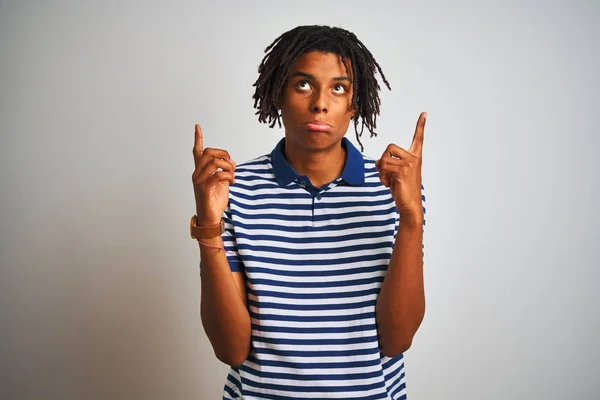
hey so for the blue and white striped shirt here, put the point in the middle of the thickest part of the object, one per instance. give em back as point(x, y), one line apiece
point(314, 261)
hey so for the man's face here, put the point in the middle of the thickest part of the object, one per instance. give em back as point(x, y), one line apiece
point(317, 98)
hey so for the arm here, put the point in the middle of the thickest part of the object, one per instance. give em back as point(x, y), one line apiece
point(401, 303)
point(223, 305)
point(223, 309)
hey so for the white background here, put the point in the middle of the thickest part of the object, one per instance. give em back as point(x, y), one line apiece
point(99, 285)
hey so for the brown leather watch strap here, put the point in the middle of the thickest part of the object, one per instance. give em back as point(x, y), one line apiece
point(205, 232)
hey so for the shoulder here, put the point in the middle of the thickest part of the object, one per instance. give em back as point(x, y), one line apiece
point(256, 165)
point(371, 173)
point(253, 177)
point(259, 168)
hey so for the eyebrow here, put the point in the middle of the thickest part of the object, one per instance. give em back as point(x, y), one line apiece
point(311, 77)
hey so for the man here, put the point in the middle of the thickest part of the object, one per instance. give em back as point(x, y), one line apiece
point(311, 256)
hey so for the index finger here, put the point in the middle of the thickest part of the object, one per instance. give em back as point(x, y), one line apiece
point(416, 147)
point(198, 145)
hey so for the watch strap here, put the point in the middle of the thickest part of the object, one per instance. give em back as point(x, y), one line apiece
point(205, 232)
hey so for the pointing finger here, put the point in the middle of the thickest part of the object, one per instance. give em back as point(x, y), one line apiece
point(198, 145)
point(416, 147)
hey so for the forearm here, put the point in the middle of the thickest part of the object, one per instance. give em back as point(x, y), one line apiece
point(223, 308)
point(401, 303)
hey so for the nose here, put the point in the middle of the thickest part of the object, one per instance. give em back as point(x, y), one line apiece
point(319, 101)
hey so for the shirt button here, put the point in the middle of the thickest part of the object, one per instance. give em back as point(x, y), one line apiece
point(302, 184)
point(318, 197)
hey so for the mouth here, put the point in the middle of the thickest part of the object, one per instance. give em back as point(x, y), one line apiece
point(318, 126)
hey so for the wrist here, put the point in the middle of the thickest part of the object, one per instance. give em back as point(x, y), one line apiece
point(202, 220)
point(412, 218)
point(213, 241)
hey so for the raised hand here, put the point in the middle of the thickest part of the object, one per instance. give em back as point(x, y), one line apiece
point(211, 178)
point(400, 170)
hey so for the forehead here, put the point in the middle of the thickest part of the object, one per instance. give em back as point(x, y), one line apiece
point(323, 64)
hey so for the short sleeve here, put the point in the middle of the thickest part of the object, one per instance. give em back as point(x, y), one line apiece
point(230, 243)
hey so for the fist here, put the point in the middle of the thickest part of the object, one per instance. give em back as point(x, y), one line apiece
point(214, 171)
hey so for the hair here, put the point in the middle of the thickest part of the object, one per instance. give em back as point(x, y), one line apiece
point(285, 50)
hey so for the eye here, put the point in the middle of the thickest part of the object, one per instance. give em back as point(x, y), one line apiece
point(338, 88)
point(303, 86)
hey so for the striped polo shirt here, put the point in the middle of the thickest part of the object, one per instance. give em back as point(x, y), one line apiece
point(314, 261)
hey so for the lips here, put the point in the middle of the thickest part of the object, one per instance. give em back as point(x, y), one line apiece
point(318, 126)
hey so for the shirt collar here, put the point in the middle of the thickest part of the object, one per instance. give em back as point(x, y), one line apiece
point(353, 173)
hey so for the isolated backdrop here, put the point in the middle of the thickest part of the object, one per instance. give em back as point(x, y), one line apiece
point(99, 285)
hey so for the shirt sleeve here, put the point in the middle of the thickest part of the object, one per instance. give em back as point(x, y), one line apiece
point(230, 243)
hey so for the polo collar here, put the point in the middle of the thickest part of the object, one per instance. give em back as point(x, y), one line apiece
point(353, 172)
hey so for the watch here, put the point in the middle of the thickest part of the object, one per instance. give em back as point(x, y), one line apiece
point(205, 232)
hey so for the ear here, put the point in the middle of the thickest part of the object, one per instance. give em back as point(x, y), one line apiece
point(352, 113)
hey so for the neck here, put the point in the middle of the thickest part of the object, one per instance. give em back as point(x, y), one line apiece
point(321, 167)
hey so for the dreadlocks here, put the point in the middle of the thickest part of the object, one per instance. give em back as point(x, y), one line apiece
point(283, 52)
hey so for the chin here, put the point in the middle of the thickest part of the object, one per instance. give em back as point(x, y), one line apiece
point(319, 145)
